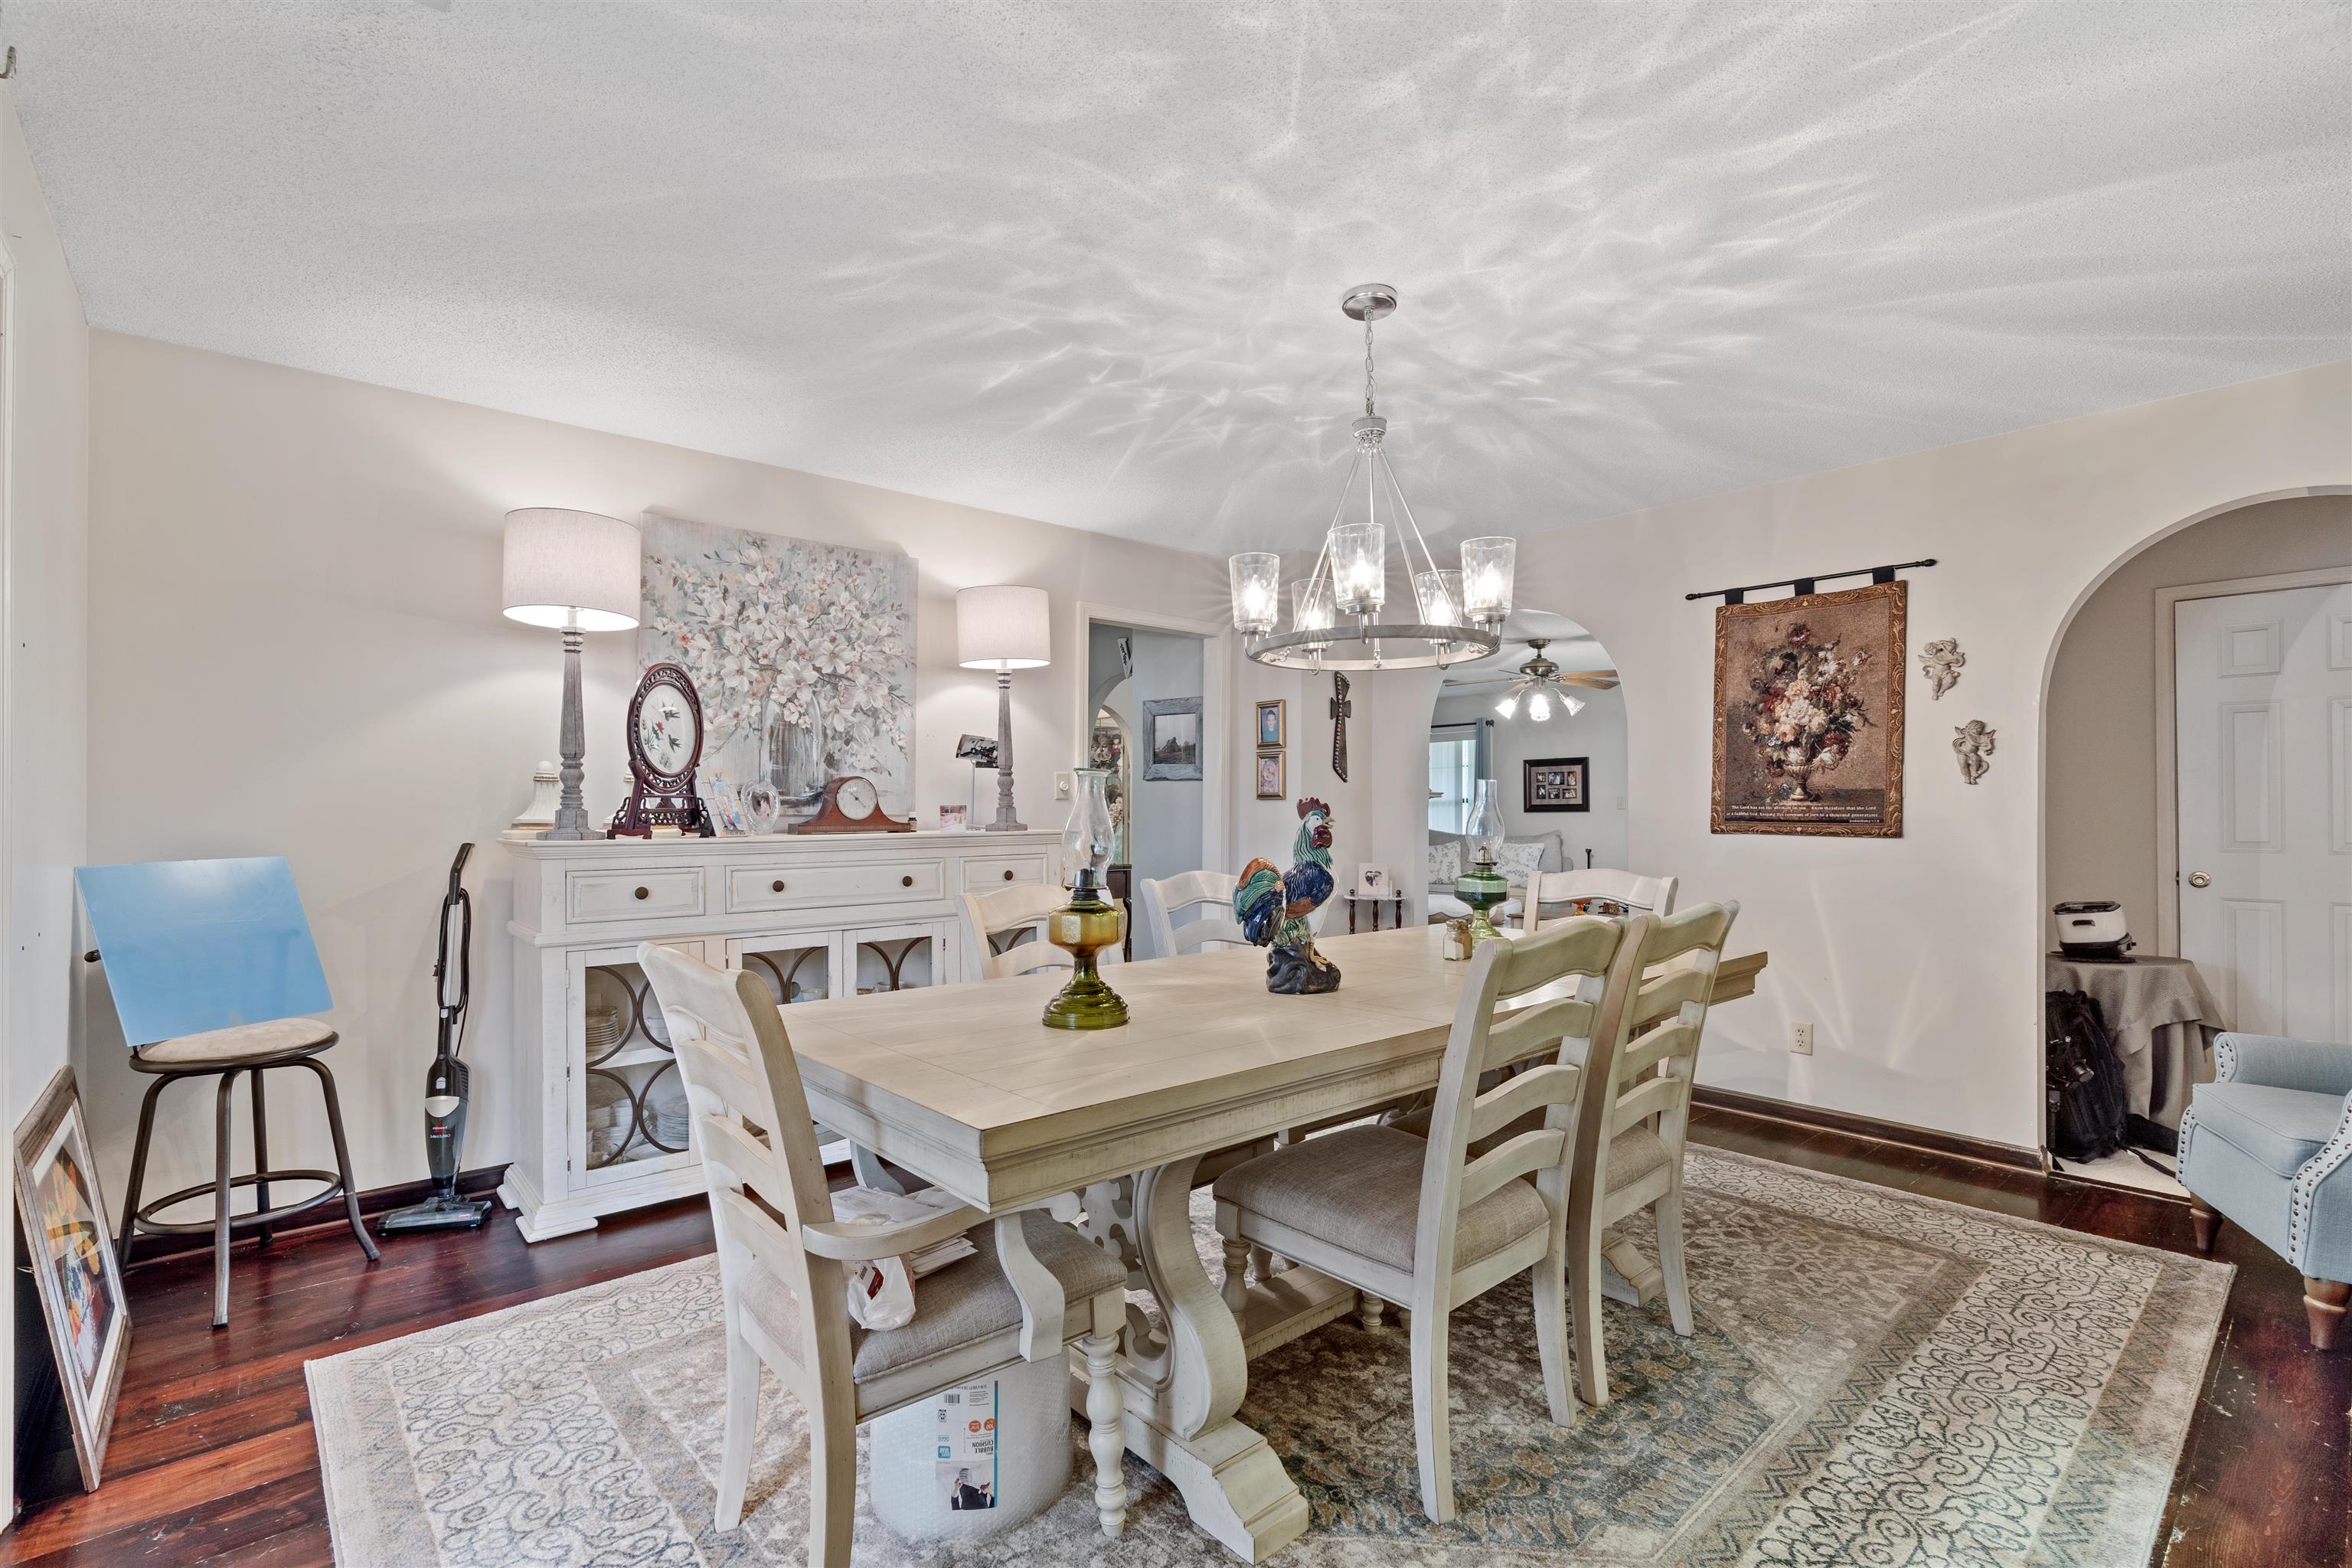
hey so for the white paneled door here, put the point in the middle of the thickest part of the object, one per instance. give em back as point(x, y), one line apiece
point(2263, 684)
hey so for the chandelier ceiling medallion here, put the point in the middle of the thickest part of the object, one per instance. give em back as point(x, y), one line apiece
point(1450, 615)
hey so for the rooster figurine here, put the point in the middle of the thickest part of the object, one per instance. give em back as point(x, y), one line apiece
point(1273, 907)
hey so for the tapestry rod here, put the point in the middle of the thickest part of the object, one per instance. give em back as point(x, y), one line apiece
point(1805, 584)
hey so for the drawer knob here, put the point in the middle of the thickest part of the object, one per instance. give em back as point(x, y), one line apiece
point(1008, 873)
point(905, 881)
point(777, 886)
point(645, 892)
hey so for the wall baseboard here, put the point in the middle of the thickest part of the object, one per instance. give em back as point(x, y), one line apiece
point(1982, 1149)
point(373, 1201)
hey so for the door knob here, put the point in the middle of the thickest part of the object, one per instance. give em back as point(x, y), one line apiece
point(2199, 880)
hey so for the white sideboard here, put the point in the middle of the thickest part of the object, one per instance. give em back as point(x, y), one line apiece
point(813, 915)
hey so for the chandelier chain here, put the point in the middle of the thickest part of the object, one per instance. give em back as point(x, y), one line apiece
point(1368, 367)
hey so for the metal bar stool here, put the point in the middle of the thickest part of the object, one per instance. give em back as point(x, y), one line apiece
point(244, 1048)
point(211, 963)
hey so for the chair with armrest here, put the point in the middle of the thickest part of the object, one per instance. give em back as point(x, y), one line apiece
point(2269, 1144)
point(1436, 1223)
point(1637, 894)
point(1033, 1288)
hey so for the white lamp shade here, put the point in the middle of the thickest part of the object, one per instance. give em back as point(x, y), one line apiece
point(561, 564)
point(1004, 627)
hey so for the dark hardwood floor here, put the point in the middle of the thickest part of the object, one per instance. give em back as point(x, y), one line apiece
point(213, 1459)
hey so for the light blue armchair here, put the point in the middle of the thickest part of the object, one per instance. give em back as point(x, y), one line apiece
point(2269, 1144)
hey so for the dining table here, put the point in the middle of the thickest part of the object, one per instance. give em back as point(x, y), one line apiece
point(965, 1087)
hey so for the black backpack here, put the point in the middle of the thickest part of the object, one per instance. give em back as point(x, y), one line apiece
point(2085, 1079)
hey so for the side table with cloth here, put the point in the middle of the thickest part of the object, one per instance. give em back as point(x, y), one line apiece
point(2163, 1018)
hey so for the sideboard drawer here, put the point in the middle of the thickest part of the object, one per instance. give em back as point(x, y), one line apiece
point(751, 888)
point(984, 872)
point(634, 895)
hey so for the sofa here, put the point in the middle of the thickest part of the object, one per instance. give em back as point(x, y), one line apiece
point(2268, 1145)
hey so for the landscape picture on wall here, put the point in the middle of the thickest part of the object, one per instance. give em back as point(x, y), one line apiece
point(1172, 738)
point(1808, 714)
point(803, 655)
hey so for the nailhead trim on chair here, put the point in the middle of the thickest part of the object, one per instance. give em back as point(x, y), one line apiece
point(2181, 1149)
point(2225, 1059)
point(2315, 1170)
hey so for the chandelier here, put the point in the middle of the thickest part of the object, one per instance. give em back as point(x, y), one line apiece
point(1337, 613)
point(1543, 684)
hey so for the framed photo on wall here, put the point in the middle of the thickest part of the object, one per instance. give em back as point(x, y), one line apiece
point(1270, 722)
point(75, 1270)
point(1271, 784)
point(1556, 784)
point(1808, 714)
point(1172, 738)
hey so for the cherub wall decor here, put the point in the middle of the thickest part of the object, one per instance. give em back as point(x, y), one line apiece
point(1940, 662)
point(1973, 743)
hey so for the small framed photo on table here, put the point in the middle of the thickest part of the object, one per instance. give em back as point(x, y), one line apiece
point(1373, 882)
point(1269, 722)
point(1271, 782)
point(74, 1267)
point(1557, 784)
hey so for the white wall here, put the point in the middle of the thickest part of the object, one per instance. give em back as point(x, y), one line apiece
point(43, 528)
point(1919, 959)
point(1164, 816)
point(1597, 734)
point(295, 609)
point(2102, 757)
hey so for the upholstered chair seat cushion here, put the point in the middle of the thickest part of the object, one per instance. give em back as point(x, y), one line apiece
point(1633, 1154)
point(239, 1042)
point(967, 1300)
point(2280, 1128)
point(1360, 1189)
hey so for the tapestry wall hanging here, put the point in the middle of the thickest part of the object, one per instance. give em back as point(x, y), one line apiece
point(802, 654)
point(1808, 714)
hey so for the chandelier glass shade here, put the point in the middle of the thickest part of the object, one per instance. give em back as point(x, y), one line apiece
point(1343, 615)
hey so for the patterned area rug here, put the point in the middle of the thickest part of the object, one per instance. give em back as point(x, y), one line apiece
point(1877, 1379)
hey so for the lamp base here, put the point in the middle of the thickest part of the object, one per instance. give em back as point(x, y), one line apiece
point(1005, 827)
point(1086, 926)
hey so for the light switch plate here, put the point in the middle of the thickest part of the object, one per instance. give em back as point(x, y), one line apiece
point(1062, 782)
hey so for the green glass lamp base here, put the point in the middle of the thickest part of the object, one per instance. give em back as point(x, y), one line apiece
point(1482, 891)
point(1087, 926)
point(1085, 1003)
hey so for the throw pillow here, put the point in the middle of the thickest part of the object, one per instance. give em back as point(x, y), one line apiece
point(1445, 863)
point(1520, 862)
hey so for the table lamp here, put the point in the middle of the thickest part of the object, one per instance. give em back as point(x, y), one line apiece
point(1004, 629)
point(579, 571)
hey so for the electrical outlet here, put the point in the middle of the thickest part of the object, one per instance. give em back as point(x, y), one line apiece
point(1062, 782)
point(1800, 1039)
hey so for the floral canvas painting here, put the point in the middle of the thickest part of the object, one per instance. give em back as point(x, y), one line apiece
point(1808, 714)
point(802, 654)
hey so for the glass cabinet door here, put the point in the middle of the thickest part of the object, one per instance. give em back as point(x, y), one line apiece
point(629, 1099)
point(796, 968)
point(896, 958)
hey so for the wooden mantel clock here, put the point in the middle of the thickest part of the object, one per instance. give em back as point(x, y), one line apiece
point(664, 748)
point(852, 804)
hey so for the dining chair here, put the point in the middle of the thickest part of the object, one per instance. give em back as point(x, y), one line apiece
point(1033, 1287)
point(1427, 1222)
point(1633, 1123)
point(1165, 897)
point(1636, 894)
point(1012, 912)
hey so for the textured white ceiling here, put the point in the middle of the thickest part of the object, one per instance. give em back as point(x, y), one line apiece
point(1082, 262)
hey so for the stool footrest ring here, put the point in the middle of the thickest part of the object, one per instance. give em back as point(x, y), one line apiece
point(145, 1219)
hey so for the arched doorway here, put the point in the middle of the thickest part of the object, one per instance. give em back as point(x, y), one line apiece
point(1544, 718)
point(2109, 817)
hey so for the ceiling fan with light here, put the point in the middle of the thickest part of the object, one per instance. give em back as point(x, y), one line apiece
point(1543, 684)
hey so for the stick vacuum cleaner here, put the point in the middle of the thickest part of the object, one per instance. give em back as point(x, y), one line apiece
point(445, 1081)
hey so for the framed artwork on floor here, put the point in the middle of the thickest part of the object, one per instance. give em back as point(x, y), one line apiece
point(1271, 782)
point(75, 1270)
point(1808, 714)
point(1270, 716)
point(1556, 784)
